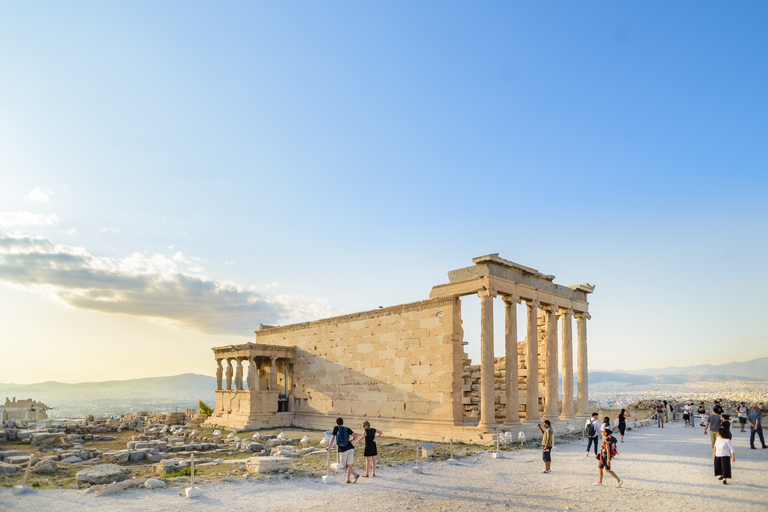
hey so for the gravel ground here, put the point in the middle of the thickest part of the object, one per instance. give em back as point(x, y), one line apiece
point(669, 469)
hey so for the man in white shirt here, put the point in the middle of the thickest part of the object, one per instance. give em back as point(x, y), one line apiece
point(594, 431)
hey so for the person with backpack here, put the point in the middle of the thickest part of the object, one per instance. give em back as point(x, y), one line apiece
point(345, 439)
point(607, 452)
point(593, 430)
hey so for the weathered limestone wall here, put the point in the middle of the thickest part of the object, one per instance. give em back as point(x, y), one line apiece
point(401, 364)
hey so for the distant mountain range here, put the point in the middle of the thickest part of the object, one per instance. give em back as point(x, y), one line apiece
point(157, 394)
point(756, 369)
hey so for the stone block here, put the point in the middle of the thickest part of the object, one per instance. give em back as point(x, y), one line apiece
point(12, 453)
point(260, 465)
point(118, 457)
point(103, 474)
point(72, 459)
point(8, 469)
point(45, 467)
point(47, 439)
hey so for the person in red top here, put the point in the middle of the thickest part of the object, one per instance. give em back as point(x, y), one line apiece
point(605, 460)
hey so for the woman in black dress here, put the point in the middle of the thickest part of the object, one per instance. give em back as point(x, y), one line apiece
point(370, 452)
point(623, 415)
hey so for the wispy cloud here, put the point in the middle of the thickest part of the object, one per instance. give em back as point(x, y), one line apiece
point(105, 229)
point(149, 286)
point(38, 194)
point(746, 340)
point(10, 219)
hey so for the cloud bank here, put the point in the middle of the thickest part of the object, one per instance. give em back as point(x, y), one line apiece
point(156, 287)
point(8, 219)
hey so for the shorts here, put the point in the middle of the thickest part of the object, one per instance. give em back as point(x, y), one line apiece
point(686, 417)
point(743, 421)
point(547, 455)
point(347, 458)
point(604, 466)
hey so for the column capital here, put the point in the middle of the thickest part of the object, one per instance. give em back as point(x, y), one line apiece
point(510, 299)
point(565, 311)
point(487, 293)
point(550, 308)
point(534, 303)
point(582, 314)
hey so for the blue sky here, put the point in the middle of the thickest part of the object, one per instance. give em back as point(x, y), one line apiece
point(175, 173)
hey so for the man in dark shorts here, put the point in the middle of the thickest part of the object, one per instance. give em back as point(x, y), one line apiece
point(742, 410)
point(547, 442)
point(604, 460)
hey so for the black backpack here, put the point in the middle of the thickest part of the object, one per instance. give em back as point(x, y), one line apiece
point(591, 432)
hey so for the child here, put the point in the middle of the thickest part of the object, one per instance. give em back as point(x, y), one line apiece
point(723, 453)
point(605, 460)
point(370, 452)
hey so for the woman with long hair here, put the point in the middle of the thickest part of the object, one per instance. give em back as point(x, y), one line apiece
point(723, 453)
point(623, 415)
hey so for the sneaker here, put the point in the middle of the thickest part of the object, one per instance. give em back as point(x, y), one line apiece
point(620, 482)
point(596, 483)
point(545, 471)
point(586, 454)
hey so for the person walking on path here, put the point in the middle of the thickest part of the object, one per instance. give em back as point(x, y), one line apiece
point(345, 439)
point(660, 415)
point(623, 415)
point(547, 442)
point(723, 453)
point(370, 452)
point(755, 419)
point(742, 410)
point(702, 414)
point(593, 430)
point(713, 424)
point(604, 460)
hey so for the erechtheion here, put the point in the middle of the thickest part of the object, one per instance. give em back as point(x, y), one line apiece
point(405, 368)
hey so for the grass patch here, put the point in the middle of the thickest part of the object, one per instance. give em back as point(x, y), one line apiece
point(181, 472)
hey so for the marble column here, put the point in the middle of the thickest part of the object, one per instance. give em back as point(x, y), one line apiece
point(487, 392)
point(566, 316)
point(219, 374)
point(532, 365)
point(239, 374)
point(229, 373)
point(510, 345)
point(550, 364)
point(582, 400)
point(273, 374)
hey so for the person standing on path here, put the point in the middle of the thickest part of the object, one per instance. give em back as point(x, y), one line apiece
point(370, 452)
point(547, 442)
point(660, 415)
point(671, 412)
point(622, 422)
point(702, 414)
point(713, 424)
point(742, 410)
point(593, 430)
point(345, 439)
point(604, 460)
point(755, 419)
point(723, 453)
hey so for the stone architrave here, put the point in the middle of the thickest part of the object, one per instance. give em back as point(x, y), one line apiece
point(550, 364)
point(273, 374)
point(566, 316)
point(487, 392)
point(229, 373)
point(239, 374)
point(511, 373)
point(582, 376)
point(531, 365)
point(219, 373)
point(251, 378)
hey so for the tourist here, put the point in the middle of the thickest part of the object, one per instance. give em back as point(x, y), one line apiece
point(714, 422)
point(605, 425)
point(547, 443)
point(671, 412)
point(742, 410)
point(623, 415)
point(702, 414)
point(725, 421)
point(370, 452)
point(345, 439)
point(660, 415)
point(755, 419)
point(593, 430)
point(687, 409)
point(717, 409)
point(666, 411)
point(604, 460)
point(723, 453)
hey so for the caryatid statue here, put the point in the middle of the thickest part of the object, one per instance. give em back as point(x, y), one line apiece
point(251, 379)
point(239, 374)
point(229, 373)
point(219, 373)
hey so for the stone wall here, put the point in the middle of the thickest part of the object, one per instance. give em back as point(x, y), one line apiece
point(401, 365)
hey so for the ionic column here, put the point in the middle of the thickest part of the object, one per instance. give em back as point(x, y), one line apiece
point(532, 365)
point(510, 345)
point(567, 339)
point(229, 373)
point(582, 399)
point(550, 364)
point(487, 394)
point(273, 374)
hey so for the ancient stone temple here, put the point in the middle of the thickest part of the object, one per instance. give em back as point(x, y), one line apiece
point(405, 368)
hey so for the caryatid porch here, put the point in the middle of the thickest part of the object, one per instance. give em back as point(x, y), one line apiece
point(268, 375)
point(492, 276)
